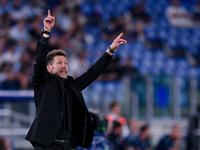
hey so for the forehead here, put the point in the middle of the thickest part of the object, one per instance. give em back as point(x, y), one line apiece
point(60, 58)
point(176, 128)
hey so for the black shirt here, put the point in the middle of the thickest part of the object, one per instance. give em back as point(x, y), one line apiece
point(66, 128)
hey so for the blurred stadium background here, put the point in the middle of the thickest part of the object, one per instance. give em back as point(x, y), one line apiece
point(155, 77)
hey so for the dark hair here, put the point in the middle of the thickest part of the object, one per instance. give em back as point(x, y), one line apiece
point(144, 127)
point(113, 104)
point(53, 53)
point(116, 124)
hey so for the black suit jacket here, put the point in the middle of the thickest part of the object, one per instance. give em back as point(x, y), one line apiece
point(49, 93)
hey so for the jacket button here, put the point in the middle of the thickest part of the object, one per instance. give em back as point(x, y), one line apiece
point(58, 123)
point(61, 113)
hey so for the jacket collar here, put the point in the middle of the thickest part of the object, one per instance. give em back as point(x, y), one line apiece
point(76, 91)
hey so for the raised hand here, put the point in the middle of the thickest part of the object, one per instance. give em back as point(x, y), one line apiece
point(49, 22)
point(117, 42)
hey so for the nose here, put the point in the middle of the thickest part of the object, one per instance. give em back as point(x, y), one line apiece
point(64, 65)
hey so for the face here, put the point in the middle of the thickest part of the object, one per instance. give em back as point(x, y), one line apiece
point(117, 110)
point(133, 125)
point(118, 131)
point(147, 133)
point(59, 67)
point(176, 132)
point(175, 2)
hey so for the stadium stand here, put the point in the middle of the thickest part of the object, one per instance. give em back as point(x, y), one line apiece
point(159, 51)
point(96, 22)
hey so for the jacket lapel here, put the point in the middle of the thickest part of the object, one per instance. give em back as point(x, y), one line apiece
point(76, 92)
point(61, 87)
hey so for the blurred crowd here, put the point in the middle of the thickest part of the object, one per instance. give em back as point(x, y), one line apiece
point(120, 134)
point(178, 16)
point(21, 24)
point(20, 29)
point(114, 132)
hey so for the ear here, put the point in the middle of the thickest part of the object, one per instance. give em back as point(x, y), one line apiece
point(49, 68)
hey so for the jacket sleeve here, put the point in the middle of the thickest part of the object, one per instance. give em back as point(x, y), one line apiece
point(40, 71)
point(94, 71)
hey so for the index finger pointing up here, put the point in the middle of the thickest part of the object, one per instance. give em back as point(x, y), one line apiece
point(119, 36)
point(49, 13)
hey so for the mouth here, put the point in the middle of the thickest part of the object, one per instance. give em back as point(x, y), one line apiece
point(63, 71)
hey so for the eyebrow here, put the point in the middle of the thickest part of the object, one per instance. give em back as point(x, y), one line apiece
point(61, 60)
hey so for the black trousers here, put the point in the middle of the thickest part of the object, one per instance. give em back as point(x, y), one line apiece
point(52, 147)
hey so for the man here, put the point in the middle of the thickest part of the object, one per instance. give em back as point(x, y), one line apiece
point(178, 16)
point(193, 127)
point(171, 141)
point(141, 142)
point(115, 115)
point(114, 136)
point(62, 120)
point(133, 127)
point(5, 144)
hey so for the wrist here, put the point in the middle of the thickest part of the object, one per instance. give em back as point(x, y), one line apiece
point(107, 51)
point(45, 33)
point(45, 29)
point(111, 49)
point(114, 48)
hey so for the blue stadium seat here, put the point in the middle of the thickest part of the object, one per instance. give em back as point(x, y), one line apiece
point(169, 66)
point(87, 8)
point(194, 72)
point(176, 38)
